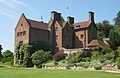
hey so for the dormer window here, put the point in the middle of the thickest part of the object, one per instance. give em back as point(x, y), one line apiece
point(77, 26)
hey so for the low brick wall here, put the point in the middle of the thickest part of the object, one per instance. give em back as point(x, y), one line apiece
point(111, 68)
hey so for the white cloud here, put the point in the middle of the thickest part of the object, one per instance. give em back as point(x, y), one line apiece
point(8, 15)
point(11, 6)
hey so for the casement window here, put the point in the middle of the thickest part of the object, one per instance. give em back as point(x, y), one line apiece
point(21, 33)
point(24, 32)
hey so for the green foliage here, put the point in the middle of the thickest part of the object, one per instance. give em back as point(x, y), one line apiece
point(40, 57)
point(114, 38)
point(55, 63)
point(95, 55)
point(41, 45)
point(79, 56)
point(100, 35)
point(7, 56)
point(62, 20)
point(118, 62)
point(106, 50)
point(83, 64)
point(117, 19)
point(98, 49)
point(104, 27)
point(96, 64)
point(25, 51)
point(109, 56)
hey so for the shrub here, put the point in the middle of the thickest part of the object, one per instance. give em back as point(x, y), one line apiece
point(118, 63)
point(106, 50)
point(55, 63)
point(83, 64)
point(59, 56)
point(96, 64)
point(49, 64)
point(40, 57)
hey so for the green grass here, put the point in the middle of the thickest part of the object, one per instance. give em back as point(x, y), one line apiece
point(45, 73)
point(5, 64)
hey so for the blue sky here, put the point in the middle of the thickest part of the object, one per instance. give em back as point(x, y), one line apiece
point(10, 11)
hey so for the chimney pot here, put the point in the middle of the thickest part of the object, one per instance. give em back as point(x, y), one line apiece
point(91, 16)
point(56, 16)
point(70, 20)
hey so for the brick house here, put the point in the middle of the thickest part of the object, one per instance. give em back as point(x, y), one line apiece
point(66, 34)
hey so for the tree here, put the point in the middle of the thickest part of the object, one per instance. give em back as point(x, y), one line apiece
point(62, 20)
point(117, 19)
point(7, 56)
point(41, 45)
point(0, 52)
point(25, 53)
point(114, 38)
point(104, 27)
point(40, 57)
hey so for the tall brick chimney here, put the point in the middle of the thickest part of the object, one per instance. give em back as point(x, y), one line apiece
point(91, 16)
point(55, 16)
point(70, 20)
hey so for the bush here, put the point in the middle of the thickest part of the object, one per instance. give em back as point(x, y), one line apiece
point(96, 64)
point(118, 63)
point(40, 57)
point(106, 50)
point(49, 64)
point(83, 64)
point(55, 63)
point(59, 56)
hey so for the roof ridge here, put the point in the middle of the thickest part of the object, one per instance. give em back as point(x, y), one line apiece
point(37, 21)
point(83, 21)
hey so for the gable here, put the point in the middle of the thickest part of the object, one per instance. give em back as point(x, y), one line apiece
point(22, 22)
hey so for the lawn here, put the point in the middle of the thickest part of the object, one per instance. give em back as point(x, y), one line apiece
point(45, 73)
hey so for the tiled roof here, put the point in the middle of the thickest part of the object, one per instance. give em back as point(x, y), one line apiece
point(37, 24)
point(97, 42)
point(81, 25)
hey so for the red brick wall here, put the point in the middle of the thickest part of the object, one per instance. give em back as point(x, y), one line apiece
point(38, 35)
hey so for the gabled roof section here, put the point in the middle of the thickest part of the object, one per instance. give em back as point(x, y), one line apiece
point(66, 23)
point(21, 17)
point(59, 23)
point(81, 25)
point(37, 24)
point(98, 42)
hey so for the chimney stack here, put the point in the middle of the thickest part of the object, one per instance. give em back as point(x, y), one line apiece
point(55, 16)
point(91, 16)
point(70, 20)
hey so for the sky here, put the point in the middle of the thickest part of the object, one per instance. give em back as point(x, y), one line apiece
point(11, 10)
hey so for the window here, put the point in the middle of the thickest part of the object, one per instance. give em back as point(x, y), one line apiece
point(81, 36)
point(21, 25)
point(56, 28)
point(18, 34)
point(21, 43)
point(24, 32)
point(56, 37)
point(21, 33)
point(77, 26)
